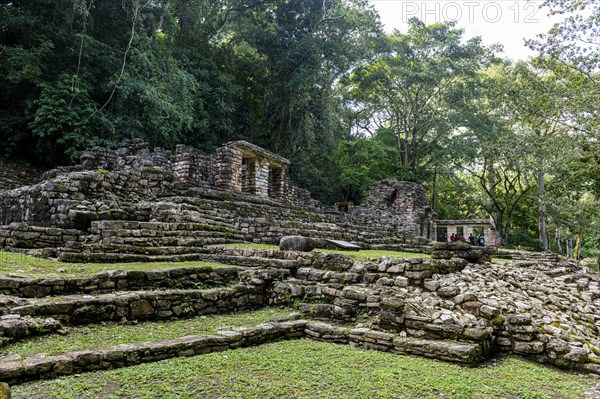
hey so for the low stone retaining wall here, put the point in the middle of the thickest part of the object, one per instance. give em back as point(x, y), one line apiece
point(45, 367)
point(143, 305)
point(18, 235)
point(15, 370)
point(460, 352)
point(277, 259)
point(105, 282)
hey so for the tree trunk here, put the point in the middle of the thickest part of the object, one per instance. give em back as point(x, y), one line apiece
point(543, 231)
point(415, 157)
point(569, 246)
point(578, 247)
point(434, 193)
point(558, 243)
point(506, 230)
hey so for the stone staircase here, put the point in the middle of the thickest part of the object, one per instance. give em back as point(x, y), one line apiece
point(332, 283)
point(130, 241)
point(174, 228)
point(401, 306)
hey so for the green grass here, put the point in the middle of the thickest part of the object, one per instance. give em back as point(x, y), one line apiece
point(309, 369)
point(30, 265)
point(109, 334)
point(357, 255)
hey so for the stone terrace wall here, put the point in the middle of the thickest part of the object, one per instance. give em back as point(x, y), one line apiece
point(15, 173)
point(73, 200)
point(106, 282)
point(17, 370)
point(191, 164)
point(132, 183)
point(142, 305)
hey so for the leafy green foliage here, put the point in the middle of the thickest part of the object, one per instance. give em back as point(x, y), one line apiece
point(362, 162)
point(417, 87)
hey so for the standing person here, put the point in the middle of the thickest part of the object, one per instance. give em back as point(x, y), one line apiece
point(452, 238)
point(471, 239)
point(481, 240)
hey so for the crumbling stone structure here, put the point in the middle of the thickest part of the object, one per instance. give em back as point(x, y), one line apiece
point(133, 204)
point(245, 167)
point(404, 201)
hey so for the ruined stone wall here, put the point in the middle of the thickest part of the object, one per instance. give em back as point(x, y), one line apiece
point(15, 173)
point(244, 167)
point(75, 199)
point(191, 164)
point(187, 164)
point(19, 235)
point(132, 183)
point(146, 305)
point(229, 176)
point(399, 202)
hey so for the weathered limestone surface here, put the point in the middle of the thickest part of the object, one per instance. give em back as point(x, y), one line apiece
point(404, 201)
point(142, 305)
point(133, 204)
point(297, 243)
point(547, 311)
point(17, 173)
point(18, 370)
point(89, 209)
point(105, 282)
point(462, 250)
point(15, 369)
point(450, 310)
point(14, 327)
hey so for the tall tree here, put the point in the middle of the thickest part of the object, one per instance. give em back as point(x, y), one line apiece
point(533, 99)
point(574, 42)
point(416, 88)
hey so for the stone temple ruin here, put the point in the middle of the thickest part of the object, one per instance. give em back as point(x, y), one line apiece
point(135, 205)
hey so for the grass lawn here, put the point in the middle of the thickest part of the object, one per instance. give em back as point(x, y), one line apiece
point(109, 334)
point(358, 255)
point(23, 264)
point(309, 369)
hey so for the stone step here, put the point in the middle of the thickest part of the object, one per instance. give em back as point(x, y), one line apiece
point(469, 353)
point(252, 261)
point(134, 249)
point(132, 228)
point(14, 327)
point(327, 311)
point(110, 257)
point(212, 220)
point(141, 305)
point(162, 233)
point(117, 280)
point(328, 276)
point(172, 241)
